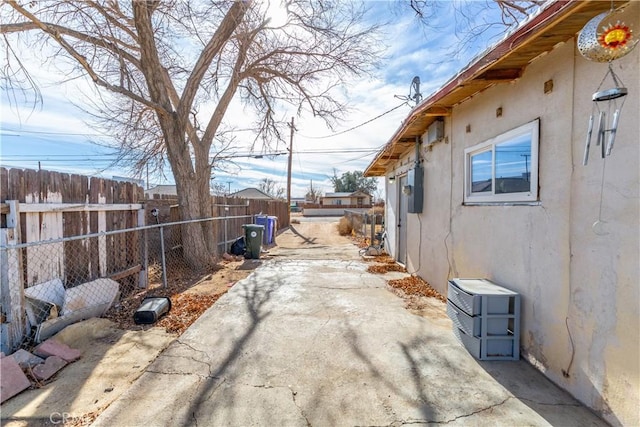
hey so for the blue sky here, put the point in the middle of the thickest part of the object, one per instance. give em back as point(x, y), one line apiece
point(56, 134)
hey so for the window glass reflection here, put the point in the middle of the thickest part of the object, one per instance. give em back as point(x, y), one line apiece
point(513, 161)
point(481, 165)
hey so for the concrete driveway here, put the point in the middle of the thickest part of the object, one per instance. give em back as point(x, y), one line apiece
point(321, 342)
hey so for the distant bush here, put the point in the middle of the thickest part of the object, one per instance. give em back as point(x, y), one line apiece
point(348, 224)
point(345, 228)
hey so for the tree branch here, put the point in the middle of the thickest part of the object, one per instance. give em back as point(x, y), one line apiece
point(222, 34)
point(54, 33)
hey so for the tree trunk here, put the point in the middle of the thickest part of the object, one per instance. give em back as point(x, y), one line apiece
point(198, 238)
point(194, 201)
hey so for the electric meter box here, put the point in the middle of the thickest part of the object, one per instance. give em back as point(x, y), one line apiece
point(415, 177)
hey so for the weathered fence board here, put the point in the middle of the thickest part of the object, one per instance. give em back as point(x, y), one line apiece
point(51, 205)
point(13, 323)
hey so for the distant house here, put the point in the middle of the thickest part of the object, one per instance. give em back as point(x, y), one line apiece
point(297, 203)
point(357, 199)
point(485, 178)
point(159, 191)
point(252, 193)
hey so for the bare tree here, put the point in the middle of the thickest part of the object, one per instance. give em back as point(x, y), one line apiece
point(472, 21)
point(166, 73)
point(270, 187)
point(218, 188)
point(512, 11)
point(313, 194)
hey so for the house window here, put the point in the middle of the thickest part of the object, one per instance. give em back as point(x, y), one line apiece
point(504, 168)
point(338, 202)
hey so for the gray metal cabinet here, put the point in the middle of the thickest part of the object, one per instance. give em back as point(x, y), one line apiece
point(486, 318)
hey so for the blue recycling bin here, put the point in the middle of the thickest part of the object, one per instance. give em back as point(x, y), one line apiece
point(269, 224)
point(272, 224)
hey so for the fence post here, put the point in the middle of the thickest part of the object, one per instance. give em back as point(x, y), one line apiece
point(143, 276)
point(12, 282)
point(226, 221)
point(164, 260)
point(373, 228)
point(364, 225)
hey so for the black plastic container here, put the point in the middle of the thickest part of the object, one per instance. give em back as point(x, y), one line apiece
point(151, 309)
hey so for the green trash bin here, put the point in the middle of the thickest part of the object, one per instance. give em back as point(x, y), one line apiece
point(253, 239)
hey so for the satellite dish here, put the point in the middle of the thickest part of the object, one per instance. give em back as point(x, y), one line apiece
point(414, 92)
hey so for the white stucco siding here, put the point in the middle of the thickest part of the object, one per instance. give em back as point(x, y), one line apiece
point(436, 240)
point(390, 222)
point(525, 248)
point(566, 273)
point(605, 267)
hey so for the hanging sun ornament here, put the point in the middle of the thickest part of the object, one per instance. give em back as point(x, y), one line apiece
point(606, 38)
point(615, 37)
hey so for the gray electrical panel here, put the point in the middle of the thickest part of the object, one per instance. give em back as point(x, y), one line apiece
point(415, 191)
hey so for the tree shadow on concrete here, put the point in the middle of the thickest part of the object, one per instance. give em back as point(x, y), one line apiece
point(255, 297)
point(427, 380)
point(413, 394)
point(307, 240)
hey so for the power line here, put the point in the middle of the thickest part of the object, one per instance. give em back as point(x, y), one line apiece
point(112, 157)
point(18, 131)
point(356, 127)
point(52, 133)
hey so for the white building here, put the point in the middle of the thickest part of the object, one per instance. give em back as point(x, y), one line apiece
point(500, 192)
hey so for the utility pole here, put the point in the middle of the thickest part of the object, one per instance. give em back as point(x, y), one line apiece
point(293, 129)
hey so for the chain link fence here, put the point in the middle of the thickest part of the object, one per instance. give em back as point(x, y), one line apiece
point(50, 284)
point(365, 224)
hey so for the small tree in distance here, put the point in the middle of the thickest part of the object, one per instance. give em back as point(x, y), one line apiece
point(313, 194)
point(350, 182)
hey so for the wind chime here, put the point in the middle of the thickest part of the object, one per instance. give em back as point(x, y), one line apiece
point(606, 38)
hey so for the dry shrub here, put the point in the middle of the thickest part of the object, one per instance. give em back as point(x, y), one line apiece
point(377, 210)
point(295, 221)
point(345, 226)
point(385, 268)
point(414, 285)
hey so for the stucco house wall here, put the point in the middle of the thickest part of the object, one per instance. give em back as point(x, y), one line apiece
point(577, 284)
point(339, 199)
point(335, 201)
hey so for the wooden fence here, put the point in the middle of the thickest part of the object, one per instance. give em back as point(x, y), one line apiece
point(42, 212)
point(54, 205)
point(41, 206)
point(222, 206)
